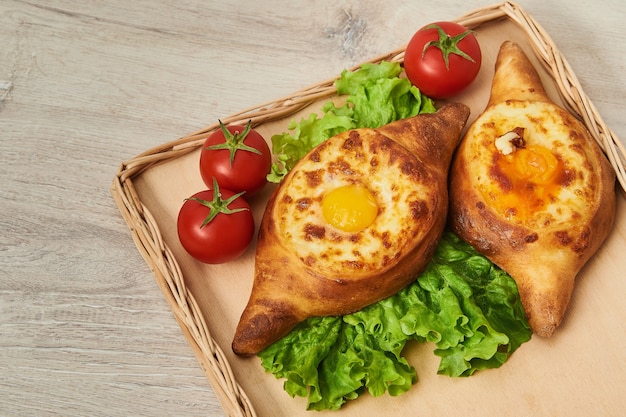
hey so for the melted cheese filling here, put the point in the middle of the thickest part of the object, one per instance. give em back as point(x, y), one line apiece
point(548, 180)
point(355, 205)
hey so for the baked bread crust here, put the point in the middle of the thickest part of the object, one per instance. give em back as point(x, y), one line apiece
point(541, 230)
point(304, 267)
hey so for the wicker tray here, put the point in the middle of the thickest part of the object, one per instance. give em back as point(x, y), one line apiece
point(579, 371)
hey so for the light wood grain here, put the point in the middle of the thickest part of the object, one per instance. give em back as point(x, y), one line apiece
point(86, 85)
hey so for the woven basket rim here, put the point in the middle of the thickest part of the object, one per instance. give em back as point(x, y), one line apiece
point(148, 239)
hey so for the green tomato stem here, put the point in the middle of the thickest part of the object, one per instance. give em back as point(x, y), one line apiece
point(234, 142)
point(447, 44)
point(217, 205)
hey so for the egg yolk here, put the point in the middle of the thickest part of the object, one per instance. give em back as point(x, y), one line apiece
point(534, 175)
point(535, 164)
point(350, 208)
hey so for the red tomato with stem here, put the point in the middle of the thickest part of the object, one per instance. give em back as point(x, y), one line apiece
point(237, 157)
point(215, 226)
point(442, 59)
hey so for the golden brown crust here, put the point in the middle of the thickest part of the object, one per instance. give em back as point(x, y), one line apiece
point(516, 77)
point(545, 247)
point(289, 287)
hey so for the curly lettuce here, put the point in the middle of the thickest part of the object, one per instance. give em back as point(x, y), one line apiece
point(462, 303)
point(375, 96)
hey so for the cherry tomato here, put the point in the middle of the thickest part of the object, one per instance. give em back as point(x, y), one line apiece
point(215, 226)
point(238, 157)
point(442, 59)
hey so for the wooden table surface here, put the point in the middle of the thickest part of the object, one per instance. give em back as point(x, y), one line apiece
point(84, 329)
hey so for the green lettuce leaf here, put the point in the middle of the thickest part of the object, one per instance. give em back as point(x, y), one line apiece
point(376, 95)
point(462, 303)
